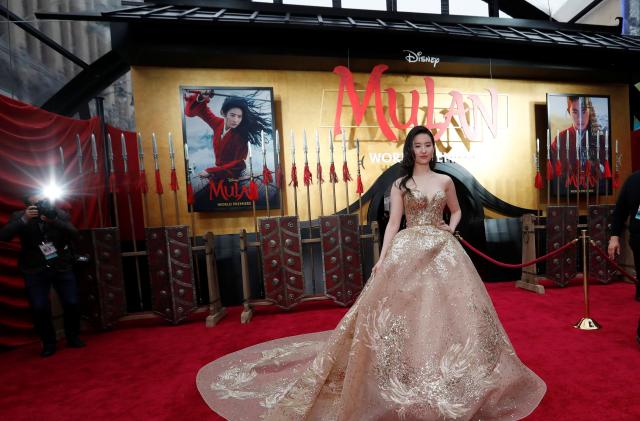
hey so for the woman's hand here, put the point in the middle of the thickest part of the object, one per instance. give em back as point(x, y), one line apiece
point(445, 227)
point(377, 266)
point(203, 174)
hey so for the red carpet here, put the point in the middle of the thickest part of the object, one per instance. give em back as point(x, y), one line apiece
point(149, 373)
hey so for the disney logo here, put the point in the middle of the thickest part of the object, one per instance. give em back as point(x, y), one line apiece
point(413, 57)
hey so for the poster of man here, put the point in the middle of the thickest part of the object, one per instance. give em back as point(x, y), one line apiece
point(579, 127)
point(230, 137)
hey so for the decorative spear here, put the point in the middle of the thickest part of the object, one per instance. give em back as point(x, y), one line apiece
point(94, 157)
point(549, 173)
point(134, 240)
point(294, 172)
point(81, 180)
point(616, 175)
point(538, 178)
point(587, 166)
point(253, 191)
point(159, 189)
point(142, 180)
point(319, 172)
point(174, 178)
point(333, 176)
point(569, 170)
point(359, 186)
point(279, 174)
point(190, 199)
point(266, 173)
point(308, 180)
point(346, 177)
point(308, 177)
point(607, 167)
point(578, 169)
point(558, 168)
point(598, 172)
point(112, 179)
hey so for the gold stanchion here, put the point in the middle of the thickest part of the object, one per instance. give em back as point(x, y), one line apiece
point(586, 323)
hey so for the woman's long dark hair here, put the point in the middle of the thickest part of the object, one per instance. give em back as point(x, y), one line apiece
point(409, 158)
point(253, 122)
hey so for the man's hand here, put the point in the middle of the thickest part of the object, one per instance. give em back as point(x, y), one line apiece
point(30, 213)
point(614, 247)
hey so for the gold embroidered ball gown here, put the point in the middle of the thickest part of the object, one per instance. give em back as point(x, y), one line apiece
point(422, 342)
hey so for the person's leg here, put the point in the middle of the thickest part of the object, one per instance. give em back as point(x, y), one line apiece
point(634, 244)
point(38, 287)
point(66, 287)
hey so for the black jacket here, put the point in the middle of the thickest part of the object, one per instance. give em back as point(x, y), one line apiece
point(627, 206)
point(58, 231)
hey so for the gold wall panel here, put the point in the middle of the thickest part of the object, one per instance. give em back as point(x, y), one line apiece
point(307, 100)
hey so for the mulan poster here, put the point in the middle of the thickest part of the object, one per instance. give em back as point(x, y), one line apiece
point(579, 144)
point(231, 147)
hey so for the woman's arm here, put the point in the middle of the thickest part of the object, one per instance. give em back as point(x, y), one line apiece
point(395, 216)
point(196, 105)
point(453, 205)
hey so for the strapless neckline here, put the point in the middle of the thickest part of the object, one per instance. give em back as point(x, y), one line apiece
point(426, 196)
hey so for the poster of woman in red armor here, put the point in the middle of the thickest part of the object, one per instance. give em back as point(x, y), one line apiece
point(229, 133)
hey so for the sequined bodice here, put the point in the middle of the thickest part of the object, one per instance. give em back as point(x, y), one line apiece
point(422, 210)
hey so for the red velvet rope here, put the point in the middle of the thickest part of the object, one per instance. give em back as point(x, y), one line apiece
point(519, 265)
point(613, 262)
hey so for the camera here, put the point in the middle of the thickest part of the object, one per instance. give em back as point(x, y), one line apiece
point(45, 207)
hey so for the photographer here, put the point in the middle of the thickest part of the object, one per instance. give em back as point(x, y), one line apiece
point(46, 259)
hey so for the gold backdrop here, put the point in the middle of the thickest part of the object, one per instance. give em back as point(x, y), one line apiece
point(307, 100)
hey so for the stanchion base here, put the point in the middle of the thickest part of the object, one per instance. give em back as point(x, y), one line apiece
point(213, 318)
point(587, 324)
point(530, 286)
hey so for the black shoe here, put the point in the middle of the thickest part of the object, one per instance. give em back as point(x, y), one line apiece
point(48, 350)
point(76, 343)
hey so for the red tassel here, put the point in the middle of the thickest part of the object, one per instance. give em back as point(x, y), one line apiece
point(538, 182)
point(294, 176)
point(319, 171)
point(253, 191)
point(587, 173)
point(211, 185)
point(607, 169)
point(558, 168)
point(616, 180)
point(142, 182)
point(174, 180)
point(189, 194)
point(333, 176)
point(360, 187)
point(345, 172)
point(267, 178)
point(549, 170)
point(308, 177)
point(279, 177)
point(112, 183)
point(159, 188)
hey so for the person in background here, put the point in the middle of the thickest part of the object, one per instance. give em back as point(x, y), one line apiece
point(46, 259)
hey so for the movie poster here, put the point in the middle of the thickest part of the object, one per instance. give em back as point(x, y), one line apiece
point(580, 140)
point(230, 136)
